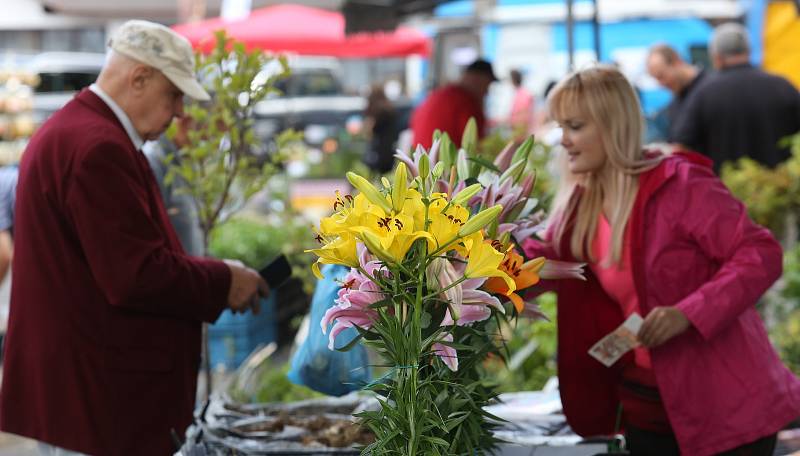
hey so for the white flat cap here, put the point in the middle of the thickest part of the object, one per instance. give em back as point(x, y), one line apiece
point(163, 49)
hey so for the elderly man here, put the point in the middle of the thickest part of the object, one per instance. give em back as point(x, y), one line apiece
point(103, 345)
point(667, 67)
point(739, 111)
point(449, 108)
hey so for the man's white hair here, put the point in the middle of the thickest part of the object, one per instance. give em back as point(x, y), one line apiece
point(730, 39)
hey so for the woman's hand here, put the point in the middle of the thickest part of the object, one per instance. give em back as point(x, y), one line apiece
point(661, 325)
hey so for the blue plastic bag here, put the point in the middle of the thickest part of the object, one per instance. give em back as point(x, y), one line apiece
point(313, 364)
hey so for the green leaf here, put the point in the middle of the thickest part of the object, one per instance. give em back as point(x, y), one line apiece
point(349, 346)
point(484, 163)
point(425, 320)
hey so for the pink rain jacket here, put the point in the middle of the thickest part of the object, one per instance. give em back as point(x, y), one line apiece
point(694, 247)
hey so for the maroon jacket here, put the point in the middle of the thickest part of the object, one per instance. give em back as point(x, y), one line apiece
point(103, 341)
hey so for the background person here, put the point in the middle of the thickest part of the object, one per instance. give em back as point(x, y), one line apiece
point(8, 190)
point(180, 206)
point(667, 67)
point(382, 124)
point(663, 238)
point(520, 118)
point(103, 343)
point(739, 111)
point(449, 108)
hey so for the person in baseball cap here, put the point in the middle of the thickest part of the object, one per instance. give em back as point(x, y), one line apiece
point(148, 71)
point(107, 303)
point(164, 50)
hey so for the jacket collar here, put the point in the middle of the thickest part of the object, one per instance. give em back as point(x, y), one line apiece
point(121, 115)
point(652, 180)
point(96, 104)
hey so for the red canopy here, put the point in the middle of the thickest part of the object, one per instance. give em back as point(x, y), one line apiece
point(305, 30)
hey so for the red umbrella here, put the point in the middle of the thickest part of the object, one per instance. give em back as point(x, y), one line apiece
point(305, 30)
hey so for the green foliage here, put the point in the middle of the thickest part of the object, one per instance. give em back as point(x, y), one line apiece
point(274, 386)
point(769, 194)
point(532, 352)
point(428, 408)
point(250, 241)
point(782, 310)
point(218, 166)
point(256, 240)
point(787, 339)
point(340, 155)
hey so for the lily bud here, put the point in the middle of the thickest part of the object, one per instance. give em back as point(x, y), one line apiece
point(373, 244)
point(463, 197)
point(400, 187)
point(469, 140)
point(369, 191)
point(480, 220)
point(424, 166)
point(437, 171)
point(513, 171)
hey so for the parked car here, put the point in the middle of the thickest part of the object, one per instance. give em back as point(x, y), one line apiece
point(312, 100)
point(62, 75)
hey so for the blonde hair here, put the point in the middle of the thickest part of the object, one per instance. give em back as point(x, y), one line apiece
point(605, 97)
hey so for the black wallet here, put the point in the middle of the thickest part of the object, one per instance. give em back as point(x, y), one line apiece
point(277, 272)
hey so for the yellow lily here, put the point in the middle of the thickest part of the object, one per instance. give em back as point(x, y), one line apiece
point(341, 250)
point(484, 261)
point(391, 237)
point(445, 224)
point(348, 214)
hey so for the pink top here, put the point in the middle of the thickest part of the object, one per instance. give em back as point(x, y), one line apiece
point(522, 109)
point(617, 280)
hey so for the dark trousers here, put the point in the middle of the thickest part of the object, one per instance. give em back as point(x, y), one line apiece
point(646, 443)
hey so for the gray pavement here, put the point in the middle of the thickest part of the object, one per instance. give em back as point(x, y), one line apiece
point(12, 445)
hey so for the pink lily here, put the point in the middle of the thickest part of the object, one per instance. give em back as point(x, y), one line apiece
point(503, 159)
point(524, 228)
point(412, 160)
point(352, 305)
point(446, 353)
point(553, 269)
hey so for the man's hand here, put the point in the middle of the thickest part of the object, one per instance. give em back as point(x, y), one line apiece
point(246, 288)
point(661, 325)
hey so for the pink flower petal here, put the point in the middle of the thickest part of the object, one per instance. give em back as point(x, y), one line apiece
point(447, 354)
point(471, 314)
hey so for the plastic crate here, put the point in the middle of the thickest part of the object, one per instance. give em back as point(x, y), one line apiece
point(234, 336)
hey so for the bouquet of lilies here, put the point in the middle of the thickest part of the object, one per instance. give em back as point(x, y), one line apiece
point(433, 258)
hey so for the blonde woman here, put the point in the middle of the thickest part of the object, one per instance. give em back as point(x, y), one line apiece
point(665, 239)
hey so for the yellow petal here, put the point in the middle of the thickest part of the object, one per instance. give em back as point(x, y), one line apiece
point(316, 271)
point(483, 261)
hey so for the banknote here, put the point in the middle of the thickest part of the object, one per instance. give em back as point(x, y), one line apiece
point(613, 346)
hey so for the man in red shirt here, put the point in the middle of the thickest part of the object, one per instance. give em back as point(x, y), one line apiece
point(449, 108)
